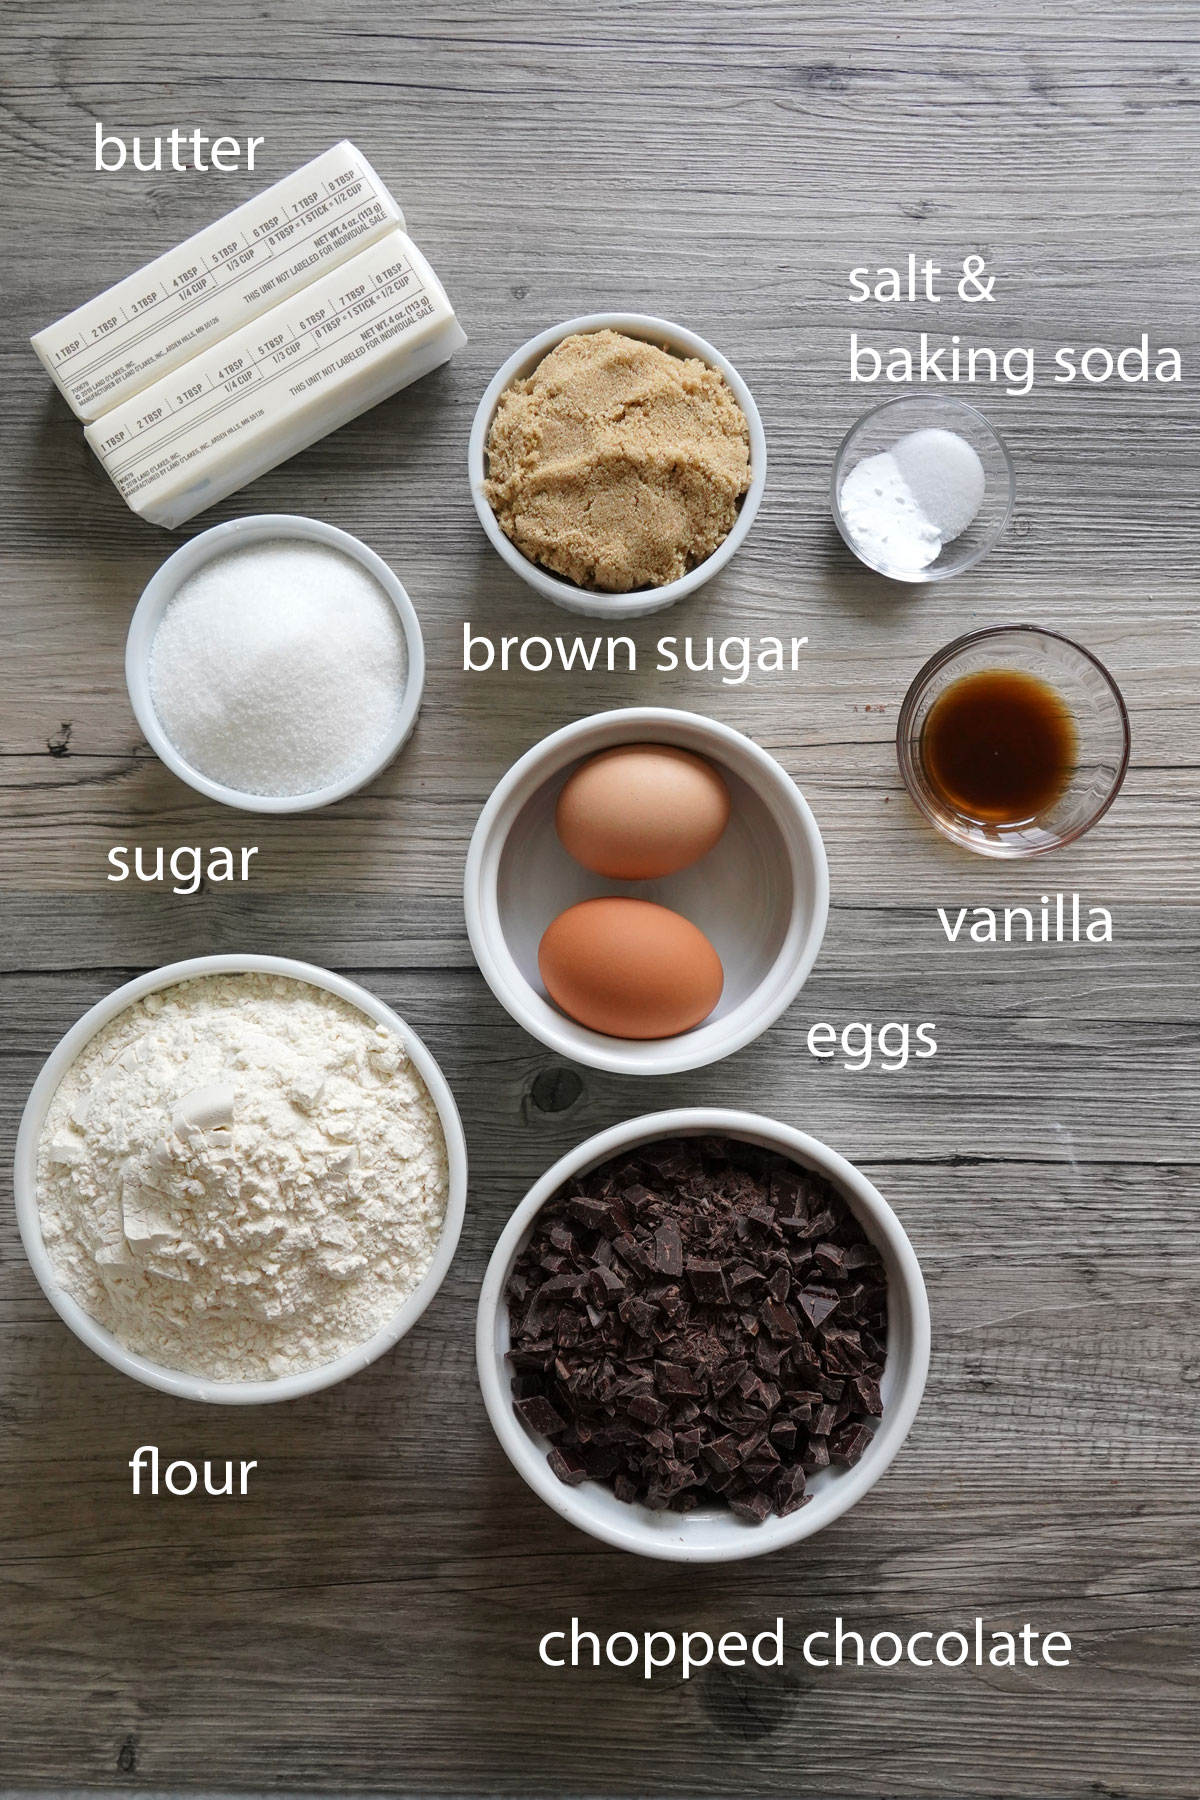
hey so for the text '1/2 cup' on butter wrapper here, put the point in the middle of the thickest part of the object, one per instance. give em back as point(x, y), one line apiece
point(217, 281)
point(302, 370)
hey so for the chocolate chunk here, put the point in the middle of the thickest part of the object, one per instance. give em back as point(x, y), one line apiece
point(639, 1315)
point(866, 1390)
point(787, 1189)
point(567, 1466)
point(707, 1281)
point(788, 1492)
point(722, 1454)
point(594, 1215)
point(668, 1249)
point(779, 1321)
point(672, 1378)
point(605, 1283)
point(672, 1302)
point(752, 1507)
point(816, 1304)
point(728, 1376)
point(541, 1418)
point(849, 1441)
point(831, 1259)
point(601, 1462)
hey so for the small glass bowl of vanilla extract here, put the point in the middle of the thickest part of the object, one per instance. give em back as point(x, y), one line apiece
point(1013, 741)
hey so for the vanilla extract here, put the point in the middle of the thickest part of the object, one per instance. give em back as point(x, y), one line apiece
point(1055, 922)
point(999, 746)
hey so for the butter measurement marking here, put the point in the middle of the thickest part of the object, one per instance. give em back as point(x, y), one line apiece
point(219, 259)
point(381, 294)
point(201, 290)
point(368, 214)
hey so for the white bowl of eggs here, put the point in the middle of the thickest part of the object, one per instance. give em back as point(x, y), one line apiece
point(646, 891)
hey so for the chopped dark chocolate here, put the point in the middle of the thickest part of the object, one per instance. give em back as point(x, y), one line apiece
point(568, 1466)
point(816, 1304)
point(698, 1322)
point(540, 1416)
point(753, 1506)
point(668, 1249)
point(788, 1492)
point(707, 1281)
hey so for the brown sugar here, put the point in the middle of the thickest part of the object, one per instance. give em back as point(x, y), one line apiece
point(616, 464)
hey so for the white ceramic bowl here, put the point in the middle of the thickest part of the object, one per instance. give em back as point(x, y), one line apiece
point(761, 896)
point(161, 590)
point(565, 593)
point(712, 1534)
point(173, 1381)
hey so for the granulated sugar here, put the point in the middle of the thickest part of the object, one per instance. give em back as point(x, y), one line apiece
point(279, 668)
point(904, 505)
point(242, 1177)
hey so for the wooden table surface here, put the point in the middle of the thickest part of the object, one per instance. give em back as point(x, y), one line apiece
point(369, 1618)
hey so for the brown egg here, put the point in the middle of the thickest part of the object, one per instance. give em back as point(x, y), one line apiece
point(630, 969)
point(641, 811)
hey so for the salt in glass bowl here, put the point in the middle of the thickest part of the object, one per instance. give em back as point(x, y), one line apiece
point(1101, 729)
point(882, 428)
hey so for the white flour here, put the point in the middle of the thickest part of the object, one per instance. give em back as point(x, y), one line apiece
point(242, 1177)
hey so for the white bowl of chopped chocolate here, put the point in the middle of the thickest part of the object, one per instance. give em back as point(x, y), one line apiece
point(702, 1336)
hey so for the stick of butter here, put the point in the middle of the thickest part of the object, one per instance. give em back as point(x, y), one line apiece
point(317, 360)
point(218, 281)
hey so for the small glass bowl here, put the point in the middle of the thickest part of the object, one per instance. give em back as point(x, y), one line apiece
point(1101, 726)
point(882, 428)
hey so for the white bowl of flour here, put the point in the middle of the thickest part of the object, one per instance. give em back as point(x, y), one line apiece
point(240, 1178)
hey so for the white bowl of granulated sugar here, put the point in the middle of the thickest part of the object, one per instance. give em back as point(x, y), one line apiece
point(240, 1178)
point(275, 664)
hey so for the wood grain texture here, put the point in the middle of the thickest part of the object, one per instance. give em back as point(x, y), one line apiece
point(369, 1621)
